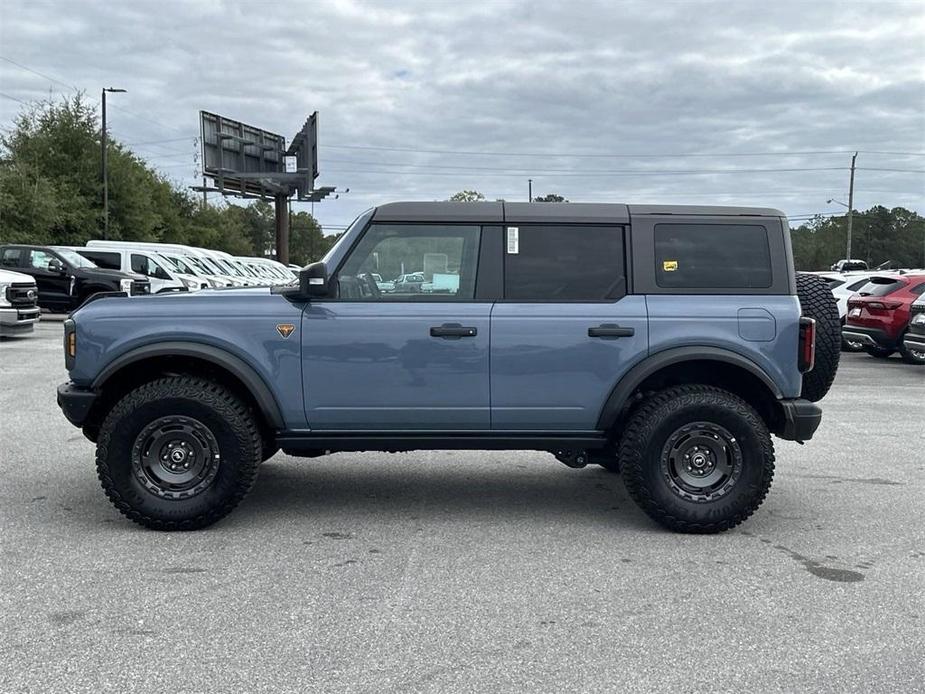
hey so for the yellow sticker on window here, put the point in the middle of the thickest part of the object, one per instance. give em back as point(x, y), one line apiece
point(670, 265)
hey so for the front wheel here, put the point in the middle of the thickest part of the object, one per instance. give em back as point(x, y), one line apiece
point(178, 453)
point(911, 356)
point(697, 459)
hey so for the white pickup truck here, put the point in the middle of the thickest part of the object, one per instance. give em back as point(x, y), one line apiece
point(19, 311)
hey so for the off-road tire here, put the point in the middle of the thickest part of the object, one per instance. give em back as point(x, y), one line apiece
point(879, 352)
point(650, 430)
point(909, 356)
point(817, 302)
point(229, 422)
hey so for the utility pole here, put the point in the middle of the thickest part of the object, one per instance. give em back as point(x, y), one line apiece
point(282, 228)
point(104, 162)
point(850, 205)
point(529, 190)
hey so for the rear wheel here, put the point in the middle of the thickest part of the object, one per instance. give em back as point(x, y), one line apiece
point(879, 352)
point(178, 453)
point(697, 459)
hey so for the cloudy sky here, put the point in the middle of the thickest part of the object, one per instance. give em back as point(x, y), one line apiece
point(699, 102)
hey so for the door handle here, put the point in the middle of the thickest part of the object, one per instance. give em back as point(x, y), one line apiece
point(610, 330)
point(452, 331)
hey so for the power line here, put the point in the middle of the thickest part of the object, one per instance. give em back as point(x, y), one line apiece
point(598, 172)
point(36, 72)
point(613, 154)
point(14, 98)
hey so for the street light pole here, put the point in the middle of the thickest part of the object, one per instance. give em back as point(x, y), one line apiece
point(529, 190)
point(850, 204)
point(104, 162)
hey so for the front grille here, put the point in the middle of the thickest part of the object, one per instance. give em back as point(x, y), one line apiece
point(22, 295)
point(141, 287)
point(917, 308)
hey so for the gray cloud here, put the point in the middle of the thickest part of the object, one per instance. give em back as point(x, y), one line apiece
point(535, 77)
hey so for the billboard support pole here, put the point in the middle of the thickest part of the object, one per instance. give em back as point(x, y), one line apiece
point(282, 228)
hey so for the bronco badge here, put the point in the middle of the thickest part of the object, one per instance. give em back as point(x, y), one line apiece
point(285, 329)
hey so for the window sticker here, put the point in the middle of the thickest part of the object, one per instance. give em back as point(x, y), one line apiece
point(670, 265)
point(513, 240)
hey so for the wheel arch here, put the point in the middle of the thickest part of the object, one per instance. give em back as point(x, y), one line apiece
point(147, 362)
point(708, 365)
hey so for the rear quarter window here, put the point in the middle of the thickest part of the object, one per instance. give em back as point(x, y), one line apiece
point(9, 257)
point(724, 256)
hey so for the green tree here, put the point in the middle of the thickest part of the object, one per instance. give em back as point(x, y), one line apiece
point(467, 196)
point(307, 242)
point(551, 197)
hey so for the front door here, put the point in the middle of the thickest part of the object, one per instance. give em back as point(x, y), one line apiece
point(566, 330)
point(402, 345)
point(54, 286)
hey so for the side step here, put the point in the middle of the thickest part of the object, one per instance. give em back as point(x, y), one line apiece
point(311, 442)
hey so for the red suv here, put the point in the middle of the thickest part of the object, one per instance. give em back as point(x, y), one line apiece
point(878, 315)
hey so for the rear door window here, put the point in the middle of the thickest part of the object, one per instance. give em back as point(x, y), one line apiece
point(10, 257)
point(723, 256)
point(110, 261)
point(564, 263)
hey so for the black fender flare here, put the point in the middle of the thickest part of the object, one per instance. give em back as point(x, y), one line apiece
point(669, 357)
point(240, 369)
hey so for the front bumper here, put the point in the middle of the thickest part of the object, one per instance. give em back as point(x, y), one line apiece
point(75, 402)
point(801, 419)
point(869, 337)
point(16, 321)
point(915, 338)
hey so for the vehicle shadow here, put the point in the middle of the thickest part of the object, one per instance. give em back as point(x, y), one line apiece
point(539, 490)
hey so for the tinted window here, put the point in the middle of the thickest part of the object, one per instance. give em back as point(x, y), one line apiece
point(833, 282)
point(111, 261)
point(857, 285)
point(412, 262)
point(918, 290)
point(722, 256)
point(880, 286)
point(563, 263)
point(10, 257)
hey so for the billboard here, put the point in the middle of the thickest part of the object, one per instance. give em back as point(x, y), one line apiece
point(304, 148)
point(241, 158)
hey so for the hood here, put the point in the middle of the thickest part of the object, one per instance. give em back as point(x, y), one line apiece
point(10, 276)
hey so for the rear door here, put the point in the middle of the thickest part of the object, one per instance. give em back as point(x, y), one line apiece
point(407, 357)
point(566, 330)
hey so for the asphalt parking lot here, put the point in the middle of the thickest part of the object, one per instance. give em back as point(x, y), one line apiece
point(467, 571)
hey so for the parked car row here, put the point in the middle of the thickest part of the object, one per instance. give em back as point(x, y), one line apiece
point(64, 277)
point(882, 312)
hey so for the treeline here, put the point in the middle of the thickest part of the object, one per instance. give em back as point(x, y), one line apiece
point(878, 235)
point(51, 192)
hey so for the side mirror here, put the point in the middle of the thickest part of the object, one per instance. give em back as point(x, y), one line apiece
point(313, 280)
point(55, 265)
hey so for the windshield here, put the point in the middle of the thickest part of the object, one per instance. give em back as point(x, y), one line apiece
point(73, 258)
point(228, 268)
point(179, 265)
point(214, 268)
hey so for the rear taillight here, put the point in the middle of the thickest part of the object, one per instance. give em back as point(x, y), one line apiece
point(807, 345)
point(884, 305)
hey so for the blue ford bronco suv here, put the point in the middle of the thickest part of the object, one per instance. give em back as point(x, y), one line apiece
point(666, 343)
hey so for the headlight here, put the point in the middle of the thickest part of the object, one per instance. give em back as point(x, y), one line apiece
point(919, 319)
point(3, 300)
point(192, 285)
point(125, 286)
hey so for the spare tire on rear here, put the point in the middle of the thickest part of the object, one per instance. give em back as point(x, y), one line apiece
point(817, 302)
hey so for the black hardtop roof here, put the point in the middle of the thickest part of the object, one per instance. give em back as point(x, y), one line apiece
point(550, 212)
